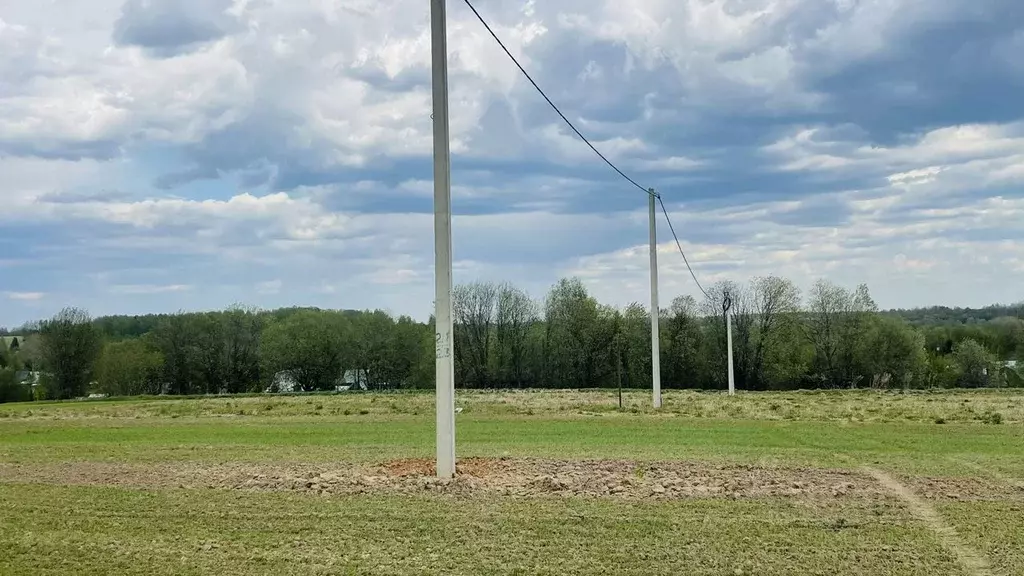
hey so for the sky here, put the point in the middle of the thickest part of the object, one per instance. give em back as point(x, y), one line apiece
point(163, 155)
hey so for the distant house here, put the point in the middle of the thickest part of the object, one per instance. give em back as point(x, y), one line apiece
point(27, 377)
point(284, 381)
point(354, 378)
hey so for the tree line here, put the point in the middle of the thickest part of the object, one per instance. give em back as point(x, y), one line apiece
point(830, 337)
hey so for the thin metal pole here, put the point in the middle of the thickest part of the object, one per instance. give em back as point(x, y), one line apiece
point(728, 338)
point(444, 367)
point(655, 309)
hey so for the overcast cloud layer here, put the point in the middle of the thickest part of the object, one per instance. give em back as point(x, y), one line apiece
point(166, 154)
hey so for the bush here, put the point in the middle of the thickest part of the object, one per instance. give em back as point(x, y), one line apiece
point(1012, 378)
point(11, 390)
point(990, 417)
point(974, 363)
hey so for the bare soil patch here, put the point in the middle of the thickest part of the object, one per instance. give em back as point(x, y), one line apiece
point(964, 489)
point(506, 476)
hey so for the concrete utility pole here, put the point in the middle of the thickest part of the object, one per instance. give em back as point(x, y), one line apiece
point(655, 310)
point(444, 368)
point(728, 341)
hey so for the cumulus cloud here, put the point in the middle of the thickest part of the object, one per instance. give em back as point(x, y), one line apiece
point(194, 154)
point(168, 27)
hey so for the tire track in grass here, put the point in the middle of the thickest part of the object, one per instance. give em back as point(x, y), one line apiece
point(973, 562)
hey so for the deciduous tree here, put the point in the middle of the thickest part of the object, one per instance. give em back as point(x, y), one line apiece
point(314, 347)
point(70, 347)
point(128, 368)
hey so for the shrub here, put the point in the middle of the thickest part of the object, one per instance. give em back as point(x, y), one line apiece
point(11, 390)
point(991, 417)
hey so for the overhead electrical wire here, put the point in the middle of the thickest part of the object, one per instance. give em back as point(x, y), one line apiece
point(588, 143)
point(680, 246)
point(550, 103)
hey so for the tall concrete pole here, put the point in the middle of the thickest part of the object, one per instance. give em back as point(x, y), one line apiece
point(728, 338)
point(655, 309)
point(445, 367)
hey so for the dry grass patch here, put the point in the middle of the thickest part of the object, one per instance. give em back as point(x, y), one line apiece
point(933, 407)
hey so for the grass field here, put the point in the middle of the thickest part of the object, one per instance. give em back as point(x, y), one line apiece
point(554, 482)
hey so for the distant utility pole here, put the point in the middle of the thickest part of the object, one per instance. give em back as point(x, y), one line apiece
point(655, 309)
point(444, 366)
point(727, 305)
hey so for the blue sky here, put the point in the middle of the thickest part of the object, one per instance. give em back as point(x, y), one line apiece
point(158, 155)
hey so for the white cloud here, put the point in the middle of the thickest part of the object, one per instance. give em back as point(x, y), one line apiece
point(677, 163)
point(921, 257)
point(916, 176)
point(25, 296)
point(101, 112)
point(934, 151)
point(269, 287)
point(137, 289)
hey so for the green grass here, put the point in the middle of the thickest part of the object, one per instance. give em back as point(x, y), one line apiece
point(925, 448)
point(996, 528)
point(59, 529)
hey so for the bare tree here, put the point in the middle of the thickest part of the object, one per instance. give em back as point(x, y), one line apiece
point(775, 302)
point(516, 313)
point(682, 359)
point(826, 305)
point(634, 345)
point(836, 318)
point(474, 312)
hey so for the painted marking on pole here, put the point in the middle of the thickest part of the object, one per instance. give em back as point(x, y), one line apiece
point(973, 562)
point(442, 345)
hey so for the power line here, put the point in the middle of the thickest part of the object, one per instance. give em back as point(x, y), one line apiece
point(550, 103)
point(680, 246)
point(586, 141)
